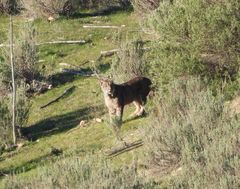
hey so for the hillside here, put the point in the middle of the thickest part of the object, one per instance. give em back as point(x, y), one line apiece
point(188, 137)
point(57, 126)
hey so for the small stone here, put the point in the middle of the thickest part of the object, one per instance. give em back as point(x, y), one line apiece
point(83, 123)
point(98, 120)
point(50, 19)
point(20, 145)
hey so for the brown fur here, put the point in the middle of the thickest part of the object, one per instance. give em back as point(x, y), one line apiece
point(118, 95)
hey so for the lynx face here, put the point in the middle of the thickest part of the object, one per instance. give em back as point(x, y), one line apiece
point(107, 87)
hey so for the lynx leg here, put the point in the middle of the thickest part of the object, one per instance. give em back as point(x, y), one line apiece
point(141, 111)
point(119, 113)
point(138, 107)
point(116, 122)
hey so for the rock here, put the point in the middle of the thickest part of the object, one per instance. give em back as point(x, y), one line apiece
point(50, 19)
point(83, 123)
point(20, 145)
point(98, 120)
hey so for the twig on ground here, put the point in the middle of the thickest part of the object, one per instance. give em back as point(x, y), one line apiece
point(117, 151)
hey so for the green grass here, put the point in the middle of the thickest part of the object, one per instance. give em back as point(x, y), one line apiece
point(57, 125)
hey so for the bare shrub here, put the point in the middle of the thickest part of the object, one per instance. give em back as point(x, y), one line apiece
point(47, 8)
point(9, 6)
point(102, 4)
point(57, 7)
point(145, 6)
point(25, 57)
point(129, 61)
point(190, 131)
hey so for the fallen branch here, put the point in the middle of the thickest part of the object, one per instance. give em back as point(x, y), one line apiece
point(54, 42)
point(56, 99)
point(63, 42)
point(114, 51)
point(117, 151)
point(74, 66)
point(104, 27)
point(5, 45)
point(78, 72)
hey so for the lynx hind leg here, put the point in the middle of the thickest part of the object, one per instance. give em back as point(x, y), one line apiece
point(144, 99)
point(138, 107)
point(141, 111)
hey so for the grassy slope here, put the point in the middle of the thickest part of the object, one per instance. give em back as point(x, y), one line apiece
point(56, 125)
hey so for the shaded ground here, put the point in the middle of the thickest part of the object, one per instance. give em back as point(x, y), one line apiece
point(57, 124)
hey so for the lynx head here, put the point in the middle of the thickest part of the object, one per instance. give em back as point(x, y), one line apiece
point(107, 87)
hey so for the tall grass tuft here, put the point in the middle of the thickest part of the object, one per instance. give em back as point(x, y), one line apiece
point(191, 133)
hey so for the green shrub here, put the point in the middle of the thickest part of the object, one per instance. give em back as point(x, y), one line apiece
point(22, 113)
point(129, 61)
point(191, 131)
point(5, 123)
point(196, 37)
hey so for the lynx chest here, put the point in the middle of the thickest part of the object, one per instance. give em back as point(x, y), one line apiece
point(111, 103)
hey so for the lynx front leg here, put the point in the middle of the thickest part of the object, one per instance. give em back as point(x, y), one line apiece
point(116, 121)
point(119, 114)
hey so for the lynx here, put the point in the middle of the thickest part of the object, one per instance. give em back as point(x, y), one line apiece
point(116, 96)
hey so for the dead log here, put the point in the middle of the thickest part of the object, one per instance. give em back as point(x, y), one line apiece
point(104, 27)
point(125, 148)
point(58, 98)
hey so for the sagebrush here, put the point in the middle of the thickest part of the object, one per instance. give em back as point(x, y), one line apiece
point(90, 172)
point(191, 132)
